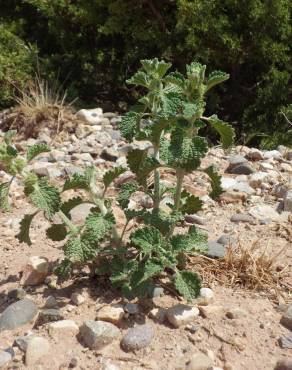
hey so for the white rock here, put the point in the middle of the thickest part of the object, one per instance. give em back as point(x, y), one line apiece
point(263, 212)
point(255, 155)
point(256, 179)
point(181, 314)
point(228, 183)
point(285, 167)
point(113, 314)
point(206, 296)
point(275, 154)
point(266, 166)
point(63, 326)
point(77, 298)
point(91, 116)
point(109, 366)
point(199, 361)
point(36, 271)
point(37, 348)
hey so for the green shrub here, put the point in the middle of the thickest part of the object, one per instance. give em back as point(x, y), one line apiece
point(170, 115)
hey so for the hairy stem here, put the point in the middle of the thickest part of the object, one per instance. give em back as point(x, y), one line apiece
point(67, 222)
point(156, 179)
point(179, 176)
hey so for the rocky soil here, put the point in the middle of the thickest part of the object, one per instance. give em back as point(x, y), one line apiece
point(83, 324)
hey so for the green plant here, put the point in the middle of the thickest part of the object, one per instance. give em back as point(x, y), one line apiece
point(169, 115)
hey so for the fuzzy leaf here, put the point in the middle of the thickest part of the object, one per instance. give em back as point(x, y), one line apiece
point(66, 207)
point(35, 150)
point(129, 125)
point(125, 193)
point(182, 151)
point(45, 197)
point(4, 192)
point(74, 250)
point(190, 203)
point(77, 181)
point(216, 78)
point(194, 241)
point(193, 110)
point(215, 182)
point(57, 232)
point(111, 175)
point(64, 269)
point(140, 79)
point(147, 239)
point(23, 235)
point(141, 164)
point(188, 284)
point(156, 68)
point(161, 220)
point(225, 131)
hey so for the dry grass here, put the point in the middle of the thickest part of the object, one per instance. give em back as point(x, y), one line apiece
point(40, 105)
point(254, 268)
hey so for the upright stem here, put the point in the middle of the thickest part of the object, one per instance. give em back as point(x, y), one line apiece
point(67, 222)
point(179, 176)
point(156, 180)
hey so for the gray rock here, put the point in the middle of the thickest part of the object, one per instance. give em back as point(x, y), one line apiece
point(195, 219)
point(49, 315)
point(286, 341)
point(242, 217)
point(242, 169)
point(6, 356)
point(110, 154)
point(289, 156)
point(156, 291)
point(264, 212)
point(286, 319)
point(137, 338)
point(131, 308)
point(51, 302)
point(255, 155)
point(216, 250)
point(235, 161)
point(243, 186)
point(225, 239)
point(285, 364)
point(97, 334)
point(17, 314)
point(275, 154)
point(17, 293)
point(288, 201)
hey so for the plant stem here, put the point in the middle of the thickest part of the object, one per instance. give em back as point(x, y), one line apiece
point(156, 180)
point(179, 176)
point(68, 222)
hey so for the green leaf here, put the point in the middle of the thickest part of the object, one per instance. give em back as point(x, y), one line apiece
point(23, 235)
point(57, 232)
point(11, 151)
point(74, 250)
point(4, 193)
point(46, 197)
point(193, 110)
point(182, 151)
point(67, 207)
point(77, 181)
point(129, 125)
point(194, 241)
point(188, 284)
point(111, 175)
point(147, 239)
point(9, 135)
point(155, 67)
point(141, 164)
point(216, 78)
point(215, 182)
point(170, 104)
point(35, 150)
point(225, 131)
point(125, 193)
point(162, 220)
point(140, 79)
point(64, 269)
point(190, 203)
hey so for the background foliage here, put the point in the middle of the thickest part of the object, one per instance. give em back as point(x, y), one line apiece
point(93, 46)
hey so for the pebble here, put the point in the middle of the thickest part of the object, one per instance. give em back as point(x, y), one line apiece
point(18, 314)
point(226, 239)
point(285, 341)
point(288, 201)
point(182, 314)
point(17, 294)
point(286, 319)
point(242, 217)
point(49, 315)
point(156, 291)
point(206, 296)
point(242, 169)
point(158, 314)
point(5, 357)
point(51, 302)
point(285, 364)
point(37, 348)
point(236, 313)
point(255, 155)
point(63, 326)
point(216, 250)
point(77, 298)
point(131, 308)
point(199, 361)
point(264, 212)
point(98, 334)
point(210, 311)
point(195, 219)
point(113, 314)
point(137, 338)
point(36, 271)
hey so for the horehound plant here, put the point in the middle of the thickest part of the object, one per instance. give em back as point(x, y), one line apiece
point(169, 115)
